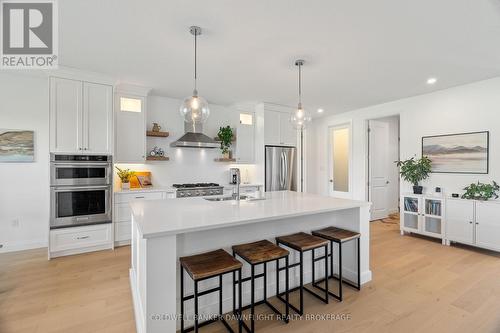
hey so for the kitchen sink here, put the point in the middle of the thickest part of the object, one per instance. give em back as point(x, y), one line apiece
point(242, 197)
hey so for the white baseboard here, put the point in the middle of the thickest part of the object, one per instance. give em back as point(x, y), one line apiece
point(22, 246)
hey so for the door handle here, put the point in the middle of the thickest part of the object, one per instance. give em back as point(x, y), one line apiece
point(331, 180)
point(387, 182)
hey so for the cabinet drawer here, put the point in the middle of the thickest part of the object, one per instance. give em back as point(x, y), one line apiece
point(122, 212)
point(79, 237)
point(128, 197)
point(123, 231)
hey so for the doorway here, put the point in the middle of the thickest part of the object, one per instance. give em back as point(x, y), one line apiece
point(340, 156)
point(383, 174)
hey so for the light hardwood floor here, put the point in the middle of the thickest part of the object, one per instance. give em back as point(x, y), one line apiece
point(418, 286)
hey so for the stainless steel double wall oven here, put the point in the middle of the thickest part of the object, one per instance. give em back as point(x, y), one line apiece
point(80, 190)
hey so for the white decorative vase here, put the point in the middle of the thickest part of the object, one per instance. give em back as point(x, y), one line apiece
point(125, 186)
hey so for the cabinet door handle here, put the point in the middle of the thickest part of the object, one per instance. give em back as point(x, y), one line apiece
point(470, 222)
point(82, 237)
point(139, 197)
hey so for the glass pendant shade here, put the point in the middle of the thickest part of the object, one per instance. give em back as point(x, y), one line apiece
point(195, 109)
point(300, 118)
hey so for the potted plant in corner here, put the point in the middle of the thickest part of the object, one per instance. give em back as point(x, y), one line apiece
point(414, 171)
point(225, 136)
point(125, 175)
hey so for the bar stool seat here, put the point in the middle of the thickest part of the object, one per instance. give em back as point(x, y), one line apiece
point(202, 267)
point(336, 234)
point(259, 252)
point(302, 241)
point(340, 236)
point(209, 264)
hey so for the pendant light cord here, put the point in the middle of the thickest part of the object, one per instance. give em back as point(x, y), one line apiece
point(195, 56)
point(300, 84)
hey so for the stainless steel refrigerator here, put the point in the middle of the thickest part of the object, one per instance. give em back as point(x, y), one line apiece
point(281, 173)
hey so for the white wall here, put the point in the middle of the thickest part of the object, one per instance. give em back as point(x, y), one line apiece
point(188, 165)
point(24, 193)
point(467, 108)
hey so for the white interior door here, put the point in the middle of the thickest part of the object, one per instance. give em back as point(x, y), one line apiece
point(378, 182)
point(340, 161)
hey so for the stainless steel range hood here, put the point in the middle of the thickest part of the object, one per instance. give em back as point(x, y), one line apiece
point(194, 138)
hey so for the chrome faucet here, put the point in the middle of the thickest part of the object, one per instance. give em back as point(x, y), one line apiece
point(238, 182)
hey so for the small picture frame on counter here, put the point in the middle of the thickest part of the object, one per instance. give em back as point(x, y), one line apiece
point(438, 189)
point(455, 195)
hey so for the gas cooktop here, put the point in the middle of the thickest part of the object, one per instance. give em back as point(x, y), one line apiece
point(196, 185)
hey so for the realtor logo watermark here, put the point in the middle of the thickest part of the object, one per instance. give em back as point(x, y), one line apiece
point(29, 34)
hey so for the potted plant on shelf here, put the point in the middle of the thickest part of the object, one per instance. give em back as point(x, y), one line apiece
point(125, 175)
point(226, 136)
point(481, 191)
point(414, 171)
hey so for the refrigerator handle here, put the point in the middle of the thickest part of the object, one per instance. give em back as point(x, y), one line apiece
point(282, 170)
point(285, 174)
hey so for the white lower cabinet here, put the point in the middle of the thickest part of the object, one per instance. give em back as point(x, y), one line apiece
point(423, 215)
point(122, 213)
point(67, 241)
point(473, 222)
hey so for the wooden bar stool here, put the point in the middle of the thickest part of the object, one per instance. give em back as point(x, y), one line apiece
point(340, 236)
point(205, 266)
point(261, 253)
point(303, 242)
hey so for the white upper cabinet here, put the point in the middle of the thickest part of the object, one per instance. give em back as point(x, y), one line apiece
point(80, 116)
point(278, 130)
point(97, 117)
point(130, 129)
point(245, 138)
point(65, 115)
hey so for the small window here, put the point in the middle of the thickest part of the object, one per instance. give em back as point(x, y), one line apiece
point(130, 104)
point(246, 119)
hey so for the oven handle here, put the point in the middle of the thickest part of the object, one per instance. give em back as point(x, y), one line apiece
point(81, 165)
point(76, 188)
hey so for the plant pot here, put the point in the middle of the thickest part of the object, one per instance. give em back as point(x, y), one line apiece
point(126, 186)
point(417, 189)
point(226, 155)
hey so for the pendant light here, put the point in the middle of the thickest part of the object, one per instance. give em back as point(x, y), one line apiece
point(300, 118)
point(195, 109)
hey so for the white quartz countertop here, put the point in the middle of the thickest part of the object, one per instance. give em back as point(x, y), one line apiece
point(146, 189)
point(157, 218)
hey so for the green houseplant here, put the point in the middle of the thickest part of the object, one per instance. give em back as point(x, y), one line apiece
point(481, 191)
point(414, 171)
point(125, 175)
point(226, 137)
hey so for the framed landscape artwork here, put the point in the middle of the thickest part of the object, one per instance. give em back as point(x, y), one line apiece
point(458, 153)
point(16, 146)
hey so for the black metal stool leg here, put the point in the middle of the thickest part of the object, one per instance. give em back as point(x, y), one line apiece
point(340, 272)
point(252, 300)
point(220, 296)
point(234, 291)
point(240, 315)
point(182, 299)
point(301, 312)
point(359, 263)
point(287, 290)
point(265, 280)
point(326, 273)
point(196, 306)
point(331, 259)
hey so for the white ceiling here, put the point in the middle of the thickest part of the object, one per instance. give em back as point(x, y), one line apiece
point(358, 53)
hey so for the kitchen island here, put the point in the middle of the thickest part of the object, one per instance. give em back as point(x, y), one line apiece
point(164, 230)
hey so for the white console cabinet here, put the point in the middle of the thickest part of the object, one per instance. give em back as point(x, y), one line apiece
point(423, 215)
point(473, 222)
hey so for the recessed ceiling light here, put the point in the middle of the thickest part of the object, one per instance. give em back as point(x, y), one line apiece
point(320, 110)
point(431, 80)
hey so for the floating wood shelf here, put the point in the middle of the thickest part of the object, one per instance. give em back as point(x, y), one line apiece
point(157, 134)
point(222, 159)
point(157, 158)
